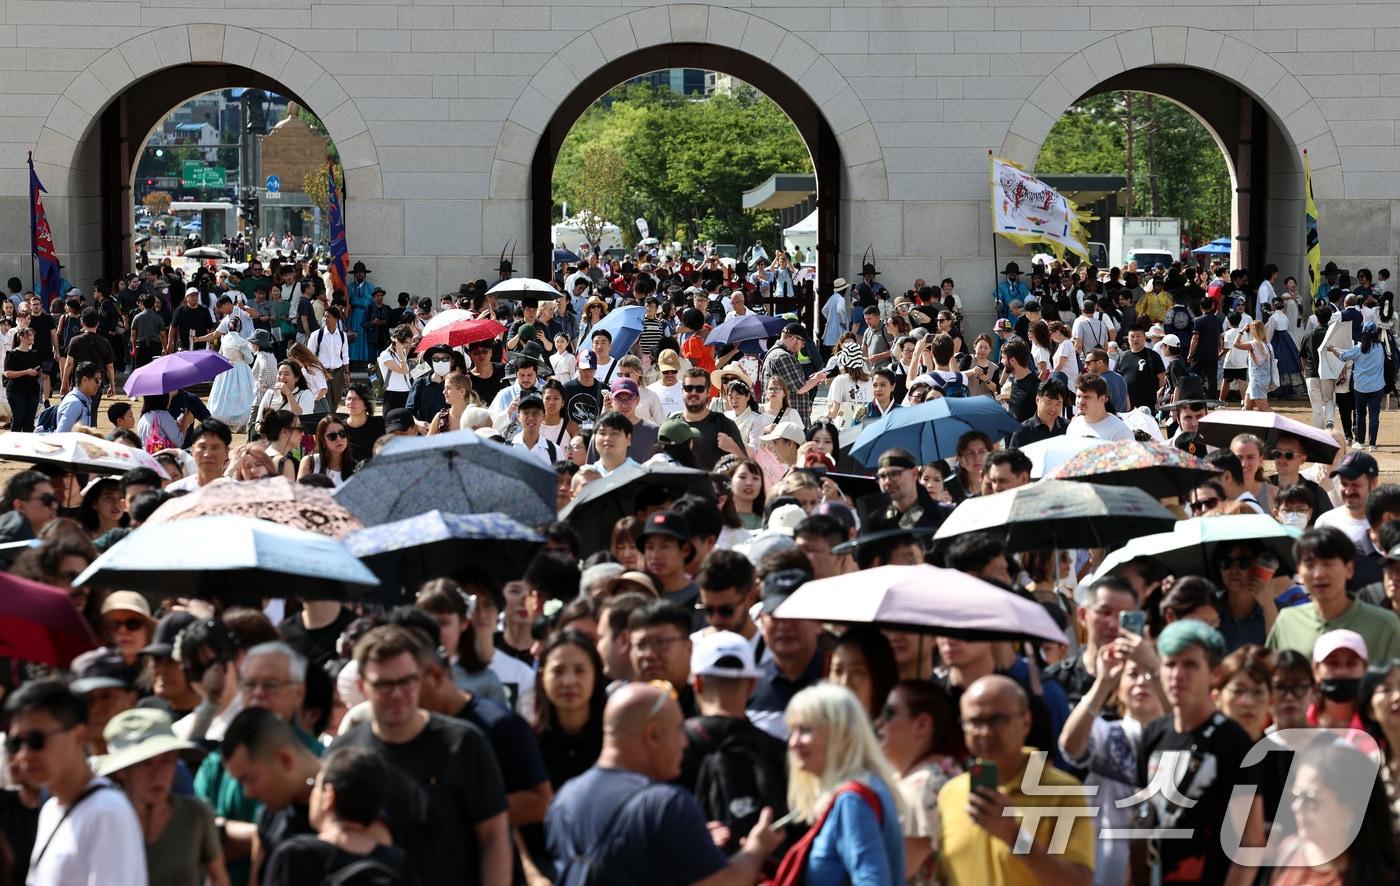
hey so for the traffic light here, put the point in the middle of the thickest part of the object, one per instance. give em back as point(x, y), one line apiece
point(150, 182)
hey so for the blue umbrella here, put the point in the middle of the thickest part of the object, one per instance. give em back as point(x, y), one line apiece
point(624, 325)
point(563, 255)
point(408, 552)
point(931, 430)
point(457, 472)
point(1218, 246)
point(739, 327)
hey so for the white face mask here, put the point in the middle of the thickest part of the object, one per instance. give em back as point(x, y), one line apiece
point(442, 367)
point(1293, 518)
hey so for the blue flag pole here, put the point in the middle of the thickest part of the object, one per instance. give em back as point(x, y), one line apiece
point(33, 259)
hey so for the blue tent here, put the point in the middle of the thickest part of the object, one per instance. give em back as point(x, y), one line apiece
point(1219, 246)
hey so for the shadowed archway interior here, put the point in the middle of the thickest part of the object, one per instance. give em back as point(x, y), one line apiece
point(804, 113)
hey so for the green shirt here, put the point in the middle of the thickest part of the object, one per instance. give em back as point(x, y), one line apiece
point(1298, 627)
point(215, 786)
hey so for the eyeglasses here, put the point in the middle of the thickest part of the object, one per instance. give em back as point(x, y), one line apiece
point(1236, 562)
point(725, 610)
point(1307, 799)
point(1285, 454)
point(47, 499)
point(1293, 690)
point(335, 435)
point(268, 686)
point(622, 395)
point(132, 624)
point(1256, 692)
point(655, 644)
point(695, 389)
point(669, 371)
point(34, 740)
point(387, 687)
point(1201, 505)
point(890, 473)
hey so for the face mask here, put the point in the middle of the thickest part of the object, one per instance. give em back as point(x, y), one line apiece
point(442, 367)
point(1340, 689)
point(1294, 518)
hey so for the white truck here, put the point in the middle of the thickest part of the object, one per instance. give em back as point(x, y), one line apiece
point(1147, 241)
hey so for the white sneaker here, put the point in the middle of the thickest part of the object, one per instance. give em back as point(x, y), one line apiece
point(1370, 449)
point(1357, 445)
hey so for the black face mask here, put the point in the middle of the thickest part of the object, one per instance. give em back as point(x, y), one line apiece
point(1340, 689)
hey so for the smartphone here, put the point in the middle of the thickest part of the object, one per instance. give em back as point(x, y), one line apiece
point(1132, 620)
point(983, 774)
point(783, 822)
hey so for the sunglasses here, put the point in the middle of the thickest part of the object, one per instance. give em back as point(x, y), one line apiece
point(1200, 506)
point(1236, 562)
point(1305, 799)
point(335, 435)
point(1285, 454)
point(48, 499)
point(34, 740)
point(723, 611)
point(132, 624)
point(695, 389)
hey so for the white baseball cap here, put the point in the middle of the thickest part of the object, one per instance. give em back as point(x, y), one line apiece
point(786, 430)
point(723, 654)
point(785, 518)
point(1341, 638)
point(1171, 341)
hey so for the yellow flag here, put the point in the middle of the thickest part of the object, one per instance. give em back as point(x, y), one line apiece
point(1314, 245)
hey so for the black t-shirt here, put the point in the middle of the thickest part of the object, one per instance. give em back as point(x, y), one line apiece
point(1208, 328)
point(317, 645)
point(191, 321)
point(1140, 370)
point(582, 405)
point(1215, 749)
point(488, 388)
point(1022, 402)
point(91, 347)
point(362, 438)
point(19, 825)
point(446, 781)
point(43, 326)
point(307, 860)
point(511, 738)
point(276, 826)
point(706, 446)
point(18, 361)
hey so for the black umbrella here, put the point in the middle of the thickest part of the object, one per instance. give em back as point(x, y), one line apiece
point(457, 473)
point(600, 504)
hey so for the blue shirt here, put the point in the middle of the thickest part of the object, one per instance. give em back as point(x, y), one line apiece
point(1117, 391)
point(1007, 292)
point(854, 846)
point(1368, 369)
point(774, 690)
point(75, 408)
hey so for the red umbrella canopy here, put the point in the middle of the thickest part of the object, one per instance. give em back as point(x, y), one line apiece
point(461, 334)
point(38, 623)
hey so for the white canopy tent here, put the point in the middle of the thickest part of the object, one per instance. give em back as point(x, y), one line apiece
point(803, 235)
point(569, 234)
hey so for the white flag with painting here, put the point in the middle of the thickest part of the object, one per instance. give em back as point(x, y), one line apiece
point(1027, 211)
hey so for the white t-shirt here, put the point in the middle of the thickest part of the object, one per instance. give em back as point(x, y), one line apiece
point(518, 680)
point(1071, 367)
point(273, 399)
point(1359, 531)
point(1234, 357)
point(1110, 427)
point(844, 389)
point(565, 366)
point(672, 398)
point(1090, 332)
point(1040, 357)
point(100, 841)
point(393, 381)
point(541, 449)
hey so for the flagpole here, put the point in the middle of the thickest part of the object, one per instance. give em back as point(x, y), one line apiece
point(33, 261)
point(996, 279)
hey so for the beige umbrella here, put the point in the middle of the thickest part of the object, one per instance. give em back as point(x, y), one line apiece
point(275, 498)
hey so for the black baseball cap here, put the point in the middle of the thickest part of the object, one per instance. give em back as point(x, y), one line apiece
point(666, 523)
point(162, 643)
point(101, 669)
point(530, 401)
point(1356, 464)
point(796, 329)
point(778, 586)
point(398, 420)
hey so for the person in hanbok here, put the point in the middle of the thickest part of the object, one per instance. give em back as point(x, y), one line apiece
point(1290, 362)
point(231, 397)
point(360, 293)
point(264, 370)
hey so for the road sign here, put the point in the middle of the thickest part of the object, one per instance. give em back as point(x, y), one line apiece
point(274, 184)
point(194, 174)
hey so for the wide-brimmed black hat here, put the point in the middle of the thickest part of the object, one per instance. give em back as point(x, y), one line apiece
point(1191, 391)
point(868, 269)
point(880, 535)
point(1011, 268)
point(505, 267)
point(1330, 268)
point(360, 268)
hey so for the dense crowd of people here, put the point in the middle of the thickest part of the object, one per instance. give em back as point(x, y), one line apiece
point(634, 706)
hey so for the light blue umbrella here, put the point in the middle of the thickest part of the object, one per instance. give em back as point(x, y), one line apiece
point(230, 558)
point(624, 325)
point(408, 552)
point(458, 473)
point(931, 430)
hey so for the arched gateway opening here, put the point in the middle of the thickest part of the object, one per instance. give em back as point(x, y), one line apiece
point(788, 95)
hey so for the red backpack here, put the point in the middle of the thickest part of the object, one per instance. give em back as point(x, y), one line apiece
point(792, 869)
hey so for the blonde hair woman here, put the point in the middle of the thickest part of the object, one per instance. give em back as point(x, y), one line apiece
point(840, 782)
point(1261, 367)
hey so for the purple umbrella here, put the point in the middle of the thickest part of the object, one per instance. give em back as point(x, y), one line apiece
point(175, 371)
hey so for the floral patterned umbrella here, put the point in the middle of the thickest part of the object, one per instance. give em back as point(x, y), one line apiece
point(276, 498)
point(408, 552)
point(1159, 470)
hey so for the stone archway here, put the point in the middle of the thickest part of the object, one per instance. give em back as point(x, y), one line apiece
point(775, 60)
point(69, 154)
point(1160, 60)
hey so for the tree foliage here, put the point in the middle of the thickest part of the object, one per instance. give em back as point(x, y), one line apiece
point(1192, 178)
point(684, 163)
point(158, 202)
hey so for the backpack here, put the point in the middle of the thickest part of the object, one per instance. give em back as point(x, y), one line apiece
point(733, 783)
point(579, 869)
point(47, 421)
point(364, 872)
point(1178, 318)
point(953, 384)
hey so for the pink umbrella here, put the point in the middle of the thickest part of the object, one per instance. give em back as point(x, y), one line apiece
point(925, 599)
point(1219, 428)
